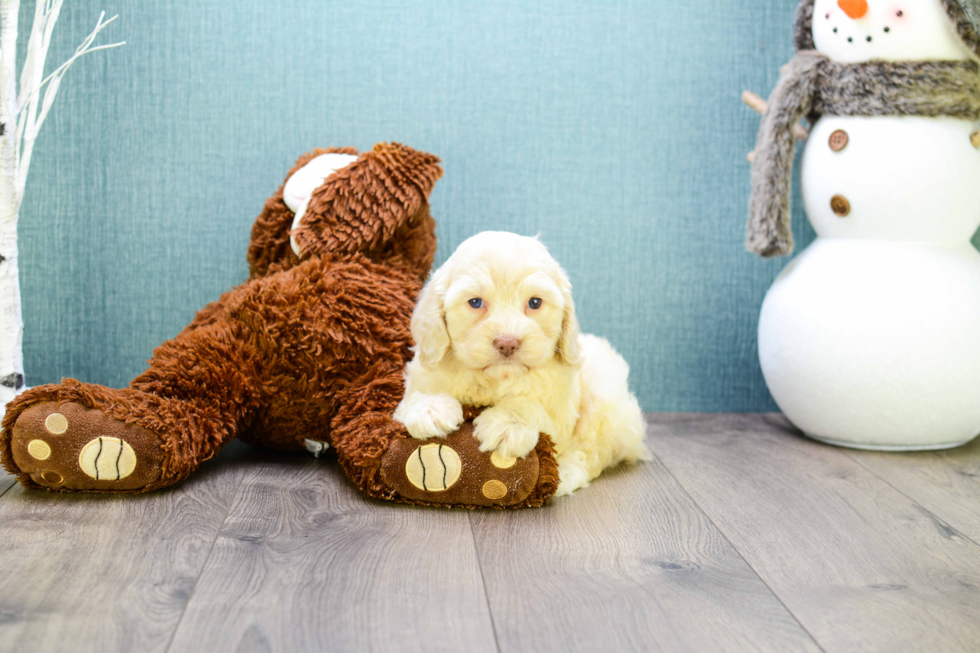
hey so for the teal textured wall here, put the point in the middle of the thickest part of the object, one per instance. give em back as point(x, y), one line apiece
point(613, 129)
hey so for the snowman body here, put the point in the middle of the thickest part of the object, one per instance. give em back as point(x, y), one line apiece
point(871, 337)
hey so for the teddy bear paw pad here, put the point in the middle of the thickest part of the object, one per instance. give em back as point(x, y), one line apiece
point(433, 468)
point(65, 446)
point(453, 471)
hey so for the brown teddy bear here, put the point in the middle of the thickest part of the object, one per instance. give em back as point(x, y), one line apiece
point(308, 354)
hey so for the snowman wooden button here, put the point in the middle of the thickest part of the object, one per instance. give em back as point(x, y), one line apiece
point(840, 206)
point(838, 140)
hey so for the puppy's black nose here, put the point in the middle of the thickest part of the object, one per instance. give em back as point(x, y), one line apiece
point(507, 345)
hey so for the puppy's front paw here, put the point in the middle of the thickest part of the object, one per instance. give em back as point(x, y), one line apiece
point(503, 433)
point(429, 416)
point(573, 472)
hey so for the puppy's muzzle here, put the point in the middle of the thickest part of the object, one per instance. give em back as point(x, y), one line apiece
point(507, 345)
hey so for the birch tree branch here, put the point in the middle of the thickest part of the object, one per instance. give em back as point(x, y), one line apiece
point(34, 120)
point(84, 49)
point(46, 14)
point(9, 15)
point(22, 114)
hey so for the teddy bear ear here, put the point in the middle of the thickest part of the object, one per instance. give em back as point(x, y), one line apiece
point(270, 244)
point(363, 205)
point(418, 168)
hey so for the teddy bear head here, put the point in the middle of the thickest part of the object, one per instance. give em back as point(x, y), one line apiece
point(340, 203)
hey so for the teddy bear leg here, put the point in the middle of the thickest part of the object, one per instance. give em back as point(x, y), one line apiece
point(79, 437)
point(64, 437)
point(379, 455)
point(180, 412)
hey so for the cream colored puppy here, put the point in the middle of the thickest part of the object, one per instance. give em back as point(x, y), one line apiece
point(495, 326)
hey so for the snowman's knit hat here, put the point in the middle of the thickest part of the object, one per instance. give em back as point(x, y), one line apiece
point(964, 15)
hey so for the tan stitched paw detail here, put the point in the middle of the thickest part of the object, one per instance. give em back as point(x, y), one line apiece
point(56, 423)
point(39, 449)
point(494, 490)
point(107, 459)
point(433, 468)
point(501, 461)
point(53, 478)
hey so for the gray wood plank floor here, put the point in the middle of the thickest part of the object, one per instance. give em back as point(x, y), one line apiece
point(306, 563)
point(945, 482)
point(741, 535)
point(629, 564)
point(109, 572)
point(6, 481)
point(862, 566)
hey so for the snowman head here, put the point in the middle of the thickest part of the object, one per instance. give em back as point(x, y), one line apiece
point(853, 31)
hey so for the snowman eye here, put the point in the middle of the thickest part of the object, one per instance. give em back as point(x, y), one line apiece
point(476, 302)
point(900, 13)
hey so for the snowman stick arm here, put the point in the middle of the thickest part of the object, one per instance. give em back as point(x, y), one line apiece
point(754, 102)
point(759, 105)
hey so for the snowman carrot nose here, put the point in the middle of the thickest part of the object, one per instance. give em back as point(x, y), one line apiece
point(854, 8)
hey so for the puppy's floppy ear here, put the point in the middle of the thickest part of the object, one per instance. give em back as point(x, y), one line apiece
point(429, 319)
point(568, 350)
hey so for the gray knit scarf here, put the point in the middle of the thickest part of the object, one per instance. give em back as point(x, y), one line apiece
point(812, 85)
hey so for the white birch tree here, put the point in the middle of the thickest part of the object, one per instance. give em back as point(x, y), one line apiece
point(23, 108)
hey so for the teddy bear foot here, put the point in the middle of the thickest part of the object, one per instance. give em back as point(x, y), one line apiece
point(67, 447)
point(453, 471)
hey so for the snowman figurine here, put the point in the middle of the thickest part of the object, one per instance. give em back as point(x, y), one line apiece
point(870, 338)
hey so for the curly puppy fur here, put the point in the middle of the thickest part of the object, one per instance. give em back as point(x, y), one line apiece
point(496, 326)
point(312, 346)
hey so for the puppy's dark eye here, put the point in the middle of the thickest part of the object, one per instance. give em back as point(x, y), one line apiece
point(534, 303)
point(476, 302)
